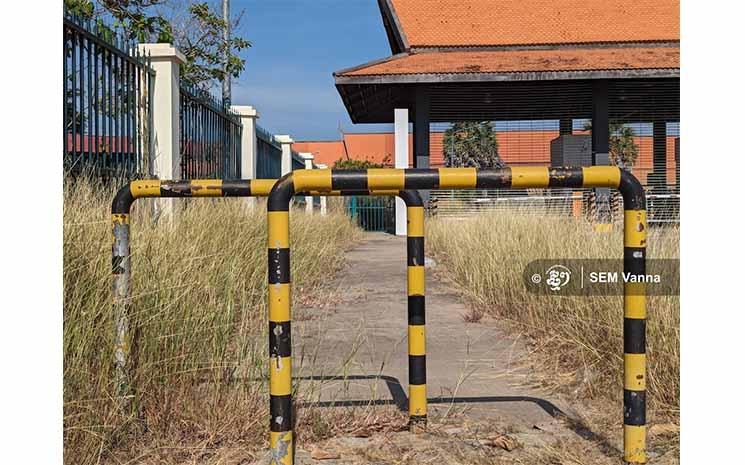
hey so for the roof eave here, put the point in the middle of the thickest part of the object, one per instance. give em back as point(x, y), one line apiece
point(341, 79)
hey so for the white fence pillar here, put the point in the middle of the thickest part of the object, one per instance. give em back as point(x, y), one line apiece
point(285, 142)
point(248, 115)
point(324, 211)
point(165, 162)
point(401, 142)
point(308, 160)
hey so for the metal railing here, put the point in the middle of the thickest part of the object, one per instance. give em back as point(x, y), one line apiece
point(107, 109)
point(210, 137)
point(663, 203)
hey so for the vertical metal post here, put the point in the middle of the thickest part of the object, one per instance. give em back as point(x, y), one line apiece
point(280, 343)
point(634, 332)
point(89, 97)
point(65, 108)
point(121, 270)
point(415, 291)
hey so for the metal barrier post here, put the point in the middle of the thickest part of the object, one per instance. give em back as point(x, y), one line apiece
point(471, 178)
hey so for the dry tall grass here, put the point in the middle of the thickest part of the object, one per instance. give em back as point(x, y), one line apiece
point(199, 302)
point(581, 337)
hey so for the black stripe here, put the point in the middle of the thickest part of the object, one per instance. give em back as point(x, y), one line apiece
point(417, 369)
point(236, 188)
point(416, 310)
point(175, 189)
point(280, 341)
point(349, 192)
point(492, 179)
point(634, 407)
point(417, 418)
point(122, 201)
point(116, 264)
point(422, 179)
point(634, 260)
point(415, 251)
point(279, 266)
point(281, 194)
point(348, 180)
point(634, 335)
point(565, 177)
point(280, 406)
point(632, 192)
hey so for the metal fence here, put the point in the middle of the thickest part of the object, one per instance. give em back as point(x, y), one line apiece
point(107, 109)
point(210, 138)
point(269, 156)
point(662, 207)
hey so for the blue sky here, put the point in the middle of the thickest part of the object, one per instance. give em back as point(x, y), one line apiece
point(296, 46)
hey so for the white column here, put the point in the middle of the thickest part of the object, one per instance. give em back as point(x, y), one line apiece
point(401, 139)
point(321, 166)
point(248, 115)
point(308, 159)
point(286, 142)
point(165, 160)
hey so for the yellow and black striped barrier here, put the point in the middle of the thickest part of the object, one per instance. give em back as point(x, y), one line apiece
point(451, 178)
point(121, 269)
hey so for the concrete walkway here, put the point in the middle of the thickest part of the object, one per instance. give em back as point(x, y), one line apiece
point(357, 350)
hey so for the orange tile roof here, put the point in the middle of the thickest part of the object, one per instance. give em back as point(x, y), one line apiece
point(324, 152)
point(524, 61)
point(512, 22)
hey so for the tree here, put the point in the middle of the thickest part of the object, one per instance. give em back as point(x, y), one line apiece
point(198, 33)
point(471, 144)
point(623, 149)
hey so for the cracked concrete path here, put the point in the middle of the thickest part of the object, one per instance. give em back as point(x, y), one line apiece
point(356, 351)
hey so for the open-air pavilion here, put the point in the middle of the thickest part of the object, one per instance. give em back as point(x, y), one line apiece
point(609, 62)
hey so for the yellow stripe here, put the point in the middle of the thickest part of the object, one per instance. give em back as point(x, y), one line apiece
point(312, 180)
point(415, 221)
point(206, 187)
point(529, 176)
point(120, 218)
point(415, 280)
point(280, 376)
point(457, 178)
point(278, 224)
point(380, 193)
point(418, 399)
point(635, 300)
point(600, 176)
point(385, 179)
point(634, 444)
point(279, 302)
point(416, 340)
point(262, 187)
point(281, 442)
point(145, 188)
point(635, 228)
point(634, 376)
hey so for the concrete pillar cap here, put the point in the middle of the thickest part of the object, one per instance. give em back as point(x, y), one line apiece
point(245, 111)
point(163, 52)
point(283, 139)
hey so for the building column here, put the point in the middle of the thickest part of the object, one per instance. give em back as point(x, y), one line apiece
point(324, 210)
point(601, 150)
point(421, 134)
point(401, 143)
point(308, 160)
point(165, 161)
point(285, 142)
point(658, 177)
point(248, 115)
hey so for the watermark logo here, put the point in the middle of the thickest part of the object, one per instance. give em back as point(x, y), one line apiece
point(557, 276)
point(601, 277)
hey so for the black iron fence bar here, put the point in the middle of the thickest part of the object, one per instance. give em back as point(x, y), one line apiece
point(121, 269)
point(103, 98)
point(280, 405)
